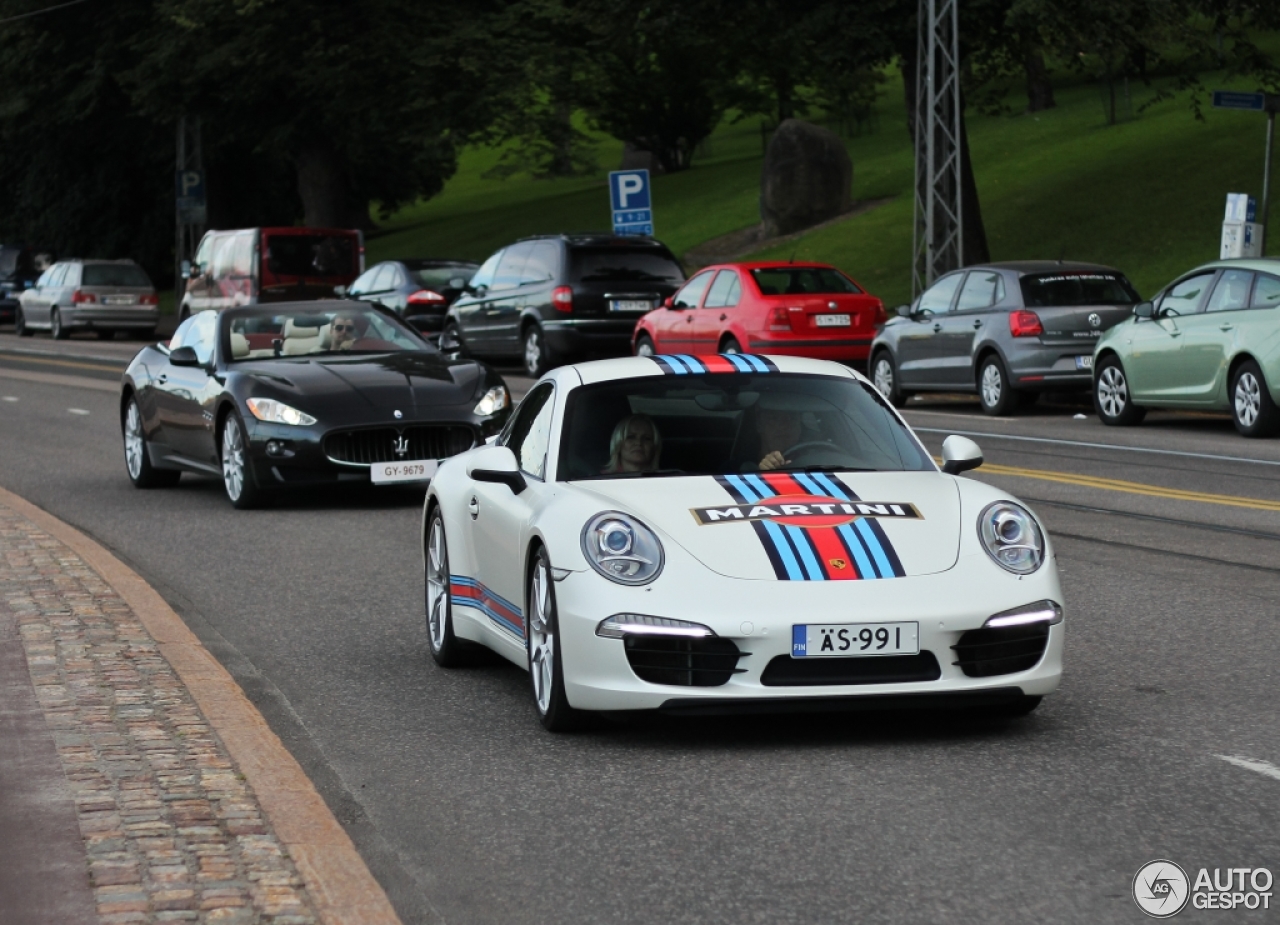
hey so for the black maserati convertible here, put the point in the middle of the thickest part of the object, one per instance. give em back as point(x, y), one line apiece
point(302, 394)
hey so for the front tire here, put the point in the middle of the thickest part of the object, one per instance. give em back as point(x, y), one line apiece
point(537, 356)
point(56, 330)
point(445, 647)
point(645, 347)
point(546, 665)
point(20, 324)
point(996, 395)
point(1252, 410)
point(1111, 398)
point(137, 458)
point(730, 345)
point(884, 376)
point(237, 475)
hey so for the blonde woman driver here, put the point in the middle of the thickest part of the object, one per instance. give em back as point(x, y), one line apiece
point(634, 446)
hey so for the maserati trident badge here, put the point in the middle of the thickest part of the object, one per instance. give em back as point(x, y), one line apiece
point(402, 446)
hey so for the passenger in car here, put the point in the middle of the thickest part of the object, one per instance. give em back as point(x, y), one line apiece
point(634, 446)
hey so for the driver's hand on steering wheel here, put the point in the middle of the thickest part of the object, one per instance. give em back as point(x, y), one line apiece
point(774, 460)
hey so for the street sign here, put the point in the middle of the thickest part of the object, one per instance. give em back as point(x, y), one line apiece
point(189, 190)
point(1235, 99)
point(631, 203)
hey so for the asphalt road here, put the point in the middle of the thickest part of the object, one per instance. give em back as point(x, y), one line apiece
point(1168, 539)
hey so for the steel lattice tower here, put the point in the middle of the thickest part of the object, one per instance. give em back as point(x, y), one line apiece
point(938, 241)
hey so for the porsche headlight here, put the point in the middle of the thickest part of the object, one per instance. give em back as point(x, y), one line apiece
point(494, 400)
point(1011, 537)
point(622, 549)
point(277, 412)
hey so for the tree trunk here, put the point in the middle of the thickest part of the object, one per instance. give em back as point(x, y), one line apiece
point(1039, 89)
point(325, 190)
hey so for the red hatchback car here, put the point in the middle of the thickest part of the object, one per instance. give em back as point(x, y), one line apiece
point(793, 309)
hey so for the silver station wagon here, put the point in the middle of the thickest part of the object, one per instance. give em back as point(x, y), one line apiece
point(102, 295)
point(1007, 331)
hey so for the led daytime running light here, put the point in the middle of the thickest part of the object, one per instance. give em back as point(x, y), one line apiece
point(1040, 612)
point(638, 624)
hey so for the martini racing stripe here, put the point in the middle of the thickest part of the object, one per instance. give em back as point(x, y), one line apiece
point(467, 592)
point(845, 552)
point(684, 364)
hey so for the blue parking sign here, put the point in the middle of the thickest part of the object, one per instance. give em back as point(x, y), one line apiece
point(630, 201)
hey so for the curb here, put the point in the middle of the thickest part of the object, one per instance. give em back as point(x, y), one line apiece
point(342, 890)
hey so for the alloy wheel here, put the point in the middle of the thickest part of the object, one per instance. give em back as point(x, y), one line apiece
point(644, 347)
point(992, 385)
point(1113, 392)
point(533, 352)
point(56, 330)
point(1248, 399)
point(133, 443)
point(233, 461)
point(882, 377)
point(542, 640)
point(437, 585)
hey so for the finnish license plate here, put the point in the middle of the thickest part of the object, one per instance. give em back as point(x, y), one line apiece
point(629, 305)
point(831, 321)
point(416, 470)
point(118, 300)
point(1084, 362)
point(842, 640)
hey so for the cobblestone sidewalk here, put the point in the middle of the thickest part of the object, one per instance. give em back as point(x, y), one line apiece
point(172, 831)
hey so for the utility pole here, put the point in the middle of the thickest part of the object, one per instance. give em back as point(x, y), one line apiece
point(938, 240)
point(190, 213)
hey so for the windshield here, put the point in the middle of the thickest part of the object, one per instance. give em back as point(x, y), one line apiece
point(438, 278)
point(724, 423)
point(1057, 290)
point(615, 263)
point(311, 255)
point(114, 274)
point(803, 280)
point(347, 330)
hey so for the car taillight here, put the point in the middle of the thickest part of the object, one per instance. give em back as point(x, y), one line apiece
point(78, 297)
point(149, 299)
point(882, 316)
point(562, 299)
point(1023, 323)
point(426, 297)
point(779, 319)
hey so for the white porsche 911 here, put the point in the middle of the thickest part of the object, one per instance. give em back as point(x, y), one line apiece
point(714, 534)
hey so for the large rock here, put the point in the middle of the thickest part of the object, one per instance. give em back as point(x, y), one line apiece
point(806, 179)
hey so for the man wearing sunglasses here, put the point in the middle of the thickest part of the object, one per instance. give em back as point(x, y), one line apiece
point(343, 332)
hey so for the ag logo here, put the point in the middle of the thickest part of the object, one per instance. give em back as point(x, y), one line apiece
point(1161, 889)
point(1095, 320)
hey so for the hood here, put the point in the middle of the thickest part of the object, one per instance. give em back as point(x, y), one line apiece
point(411, 381)
point(793, 526)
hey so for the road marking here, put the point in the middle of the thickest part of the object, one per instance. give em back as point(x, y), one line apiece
point(75, 382)
point(27, 358)
point(1133, 488)
point(11, 398)
point(77, 411)
point(1252, 764)
point(1100, 446)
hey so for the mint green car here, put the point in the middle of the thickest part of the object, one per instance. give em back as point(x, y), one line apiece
point(1209, 341)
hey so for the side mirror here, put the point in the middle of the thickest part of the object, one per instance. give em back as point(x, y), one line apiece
point(1144, 310)
point(496, 464)
point(903, 311)
point(186, 268)
point(340, 291)
point(477, 291)
point(194, 271)
point(960, 454)
point(184, 356)
point(669, 301)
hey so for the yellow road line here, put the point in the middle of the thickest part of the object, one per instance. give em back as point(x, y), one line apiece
point(26, 358)
point(1133, 488)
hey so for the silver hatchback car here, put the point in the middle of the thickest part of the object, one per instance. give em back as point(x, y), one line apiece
point(102, 295)
point(1007, 331)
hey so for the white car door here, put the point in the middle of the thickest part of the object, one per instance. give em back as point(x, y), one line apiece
point(501, 518)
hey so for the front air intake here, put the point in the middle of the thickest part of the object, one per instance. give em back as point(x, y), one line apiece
point(992, 651)
point(705, 661)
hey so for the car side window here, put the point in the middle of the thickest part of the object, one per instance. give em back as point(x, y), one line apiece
point(397, 277)
point(982, 289)
point(242, 255)
point(44, 278)
point(540, 264)
point(1266, 292)
point(363, 283)
point(204, 331)
point(724, 291)
point(488, 269)
point(530, 433)
point(1184, 297)
point(59, 274)
point(223, 257)
point(382, 279)
point(1231, 292)
point(691, 294)
point(511, 268)
point(180, 336)
point(937, 298)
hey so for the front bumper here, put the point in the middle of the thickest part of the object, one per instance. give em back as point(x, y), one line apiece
point(757, 616)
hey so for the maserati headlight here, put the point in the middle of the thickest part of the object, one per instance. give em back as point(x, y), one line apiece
point(622, 549)
point(494, 400)
point(277, 412)
point(1011, 537)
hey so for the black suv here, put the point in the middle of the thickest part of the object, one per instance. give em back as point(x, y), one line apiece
point(17, 273)
point(553, 298)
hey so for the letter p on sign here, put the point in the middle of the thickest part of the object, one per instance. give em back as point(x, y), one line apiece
point(630, 189)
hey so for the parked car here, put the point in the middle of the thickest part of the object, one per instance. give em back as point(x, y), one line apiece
point(104, 296)
point(1007, 331)
point(1208, 341)
point(418, 290)
point(252, 265)
point(557, 297)
point(792, 309)
point(293, 395)
point(17, 273)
